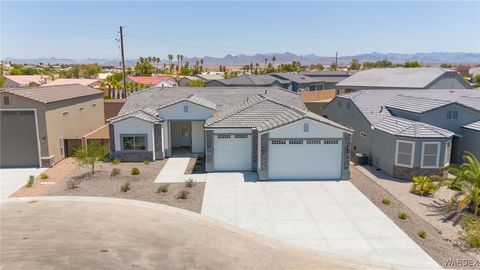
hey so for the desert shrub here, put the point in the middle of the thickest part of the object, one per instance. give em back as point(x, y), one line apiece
point(116, 161)
point(386, 201)
point(471, 231)
point(125, 187)
point(163, 188)
point(424, 186)
point(146, 162)
point(73, 184)
point(422, 234)
point(402, 216)
point(30, 182)
point(44, 176)
point(115, 171)
point(189, 183)
point(183, 194)
point(135, 171)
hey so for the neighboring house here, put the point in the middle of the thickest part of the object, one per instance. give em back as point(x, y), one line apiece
point(267, 130)
point(40, 126)
point(24, 80)
point(210, 77)
point(185, 80)
point(299, 82)
point(329, 78)
point(410, 132)
point(403, 78)
point(166, 81)
point(85, 82)
point(249, 80)
point(474, 72)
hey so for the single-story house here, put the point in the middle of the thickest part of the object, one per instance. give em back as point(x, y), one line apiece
point(249, 80)
point(25, 80)
point(403, 78)
point(63, 81)
point(206, 77)
point(329, 78)
point(410, 132)
point(262, 129)
point(165, 81)
point(40, 126)
point(299, 82)
point(185, 80)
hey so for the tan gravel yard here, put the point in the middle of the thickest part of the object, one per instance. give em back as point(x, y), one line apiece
point(102, 184)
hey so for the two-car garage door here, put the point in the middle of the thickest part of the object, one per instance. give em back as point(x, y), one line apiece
point(18, 139)
point(304, 159)
point(232, 152)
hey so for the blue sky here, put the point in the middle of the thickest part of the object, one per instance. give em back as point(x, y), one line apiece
point(89, 29)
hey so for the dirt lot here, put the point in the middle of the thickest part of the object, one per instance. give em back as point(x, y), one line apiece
point(102, 184)
point(435, 244)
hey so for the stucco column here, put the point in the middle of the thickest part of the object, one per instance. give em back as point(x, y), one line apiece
point(209, 166)
point(254, 150)
point(347, 138)
point(111, 132)
point(263, 172)
point(158, 141)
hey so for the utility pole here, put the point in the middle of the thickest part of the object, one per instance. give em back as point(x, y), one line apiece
point(124, 92)
point(336, 59)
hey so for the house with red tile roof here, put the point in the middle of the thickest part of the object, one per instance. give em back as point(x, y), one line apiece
point(165, 81)
point(24, 80)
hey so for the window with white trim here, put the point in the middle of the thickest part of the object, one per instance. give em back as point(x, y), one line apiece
point(241, 136)
point(6, 100)
point(306, 127)
point(430, 154)
point(295, 141)
point(404, 153)
point(134, 142)
point(185, 108)
point(448, 153)
point(452, 114)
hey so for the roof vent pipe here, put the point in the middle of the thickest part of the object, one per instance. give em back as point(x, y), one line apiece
point(266, 91)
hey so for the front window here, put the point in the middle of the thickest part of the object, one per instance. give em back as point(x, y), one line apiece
point(404, 153)
point(430, 151)
point(134, 142)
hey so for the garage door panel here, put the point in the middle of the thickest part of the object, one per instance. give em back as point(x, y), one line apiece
point(231, 153)
point(304, 161)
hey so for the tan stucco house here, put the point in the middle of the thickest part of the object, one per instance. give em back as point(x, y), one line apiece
point(40, 126)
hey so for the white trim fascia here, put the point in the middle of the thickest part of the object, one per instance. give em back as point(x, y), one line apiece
point(438, 155)
point(412, 154)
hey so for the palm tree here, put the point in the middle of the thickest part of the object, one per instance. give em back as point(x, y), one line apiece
point(266, 60)
point(181, 59)
point(273, 60)
point(467, 183)
point(170, 58)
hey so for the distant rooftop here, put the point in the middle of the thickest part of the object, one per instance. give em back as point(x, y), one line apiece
point(52, 94)
point(85, 82)
point(149, 80)
point(209, 77)
point(25, 80)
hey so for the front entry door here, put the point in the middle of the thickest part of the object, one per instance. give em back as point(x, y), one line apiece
point(185, 135)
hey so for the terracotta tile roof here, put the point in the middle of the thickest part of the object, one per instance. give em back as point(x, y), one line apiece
point(149, 80)
point(85, 82)
point(51, 94)
point(25, 80)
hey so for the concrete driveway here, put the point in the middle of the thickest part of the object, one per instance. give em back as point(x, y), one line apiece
point(104, 233)
point(324, 216)
point(13, 179)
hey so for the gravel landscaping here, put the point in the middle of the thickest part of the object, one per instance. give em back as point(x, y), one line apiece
point(436, 244)
point(103, 184)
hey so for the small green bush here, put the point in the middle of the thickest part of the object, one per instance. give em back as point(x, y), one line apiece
point(423, 186)
point(402, 216)
point(146, 162)
point(183, 195)
point(386, 201)
point(163, 188)
point(471, 231)
point(189, 183)
point(125, 187)
point(73, 184)
point(422, 234)
point(115, 171)
point(44, 176)
point(116, 161)
point(135, 171)
point(30, 181)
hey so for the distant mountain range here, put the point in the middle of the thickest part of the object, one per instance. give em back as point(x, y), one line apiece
point(240, 60)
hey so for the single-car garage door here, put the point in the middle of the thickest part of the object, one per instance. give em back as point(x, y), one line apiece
point(232, 152)
point(18, 141)
point(304, 159)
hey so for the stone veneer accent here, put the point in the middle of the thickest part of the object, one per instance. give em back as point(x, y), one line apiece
point(133, 156)
point(157, 132)
point(263, 172)
point(47, 162)
point(254, 149)
point(111, 132)
point(409, 173)
point(347, 140)
point(209, 166)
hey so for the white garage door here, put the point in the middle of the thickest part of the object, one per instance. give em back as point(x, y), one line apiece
point(232, 152)
point(305, 159)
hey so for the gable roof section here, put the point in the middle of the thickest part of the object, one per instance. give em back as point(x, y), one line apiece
point(209, 77)
point(27, 79)
point(250, 80)
point(394, 77)
point(50, 94)
point(415, 104)
point(149, 80)
point(407, 128)
point(263, 114)
point(297, 78)
point(85, 82)
point(473, 126)
point(193, 99)
point(145, 115)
